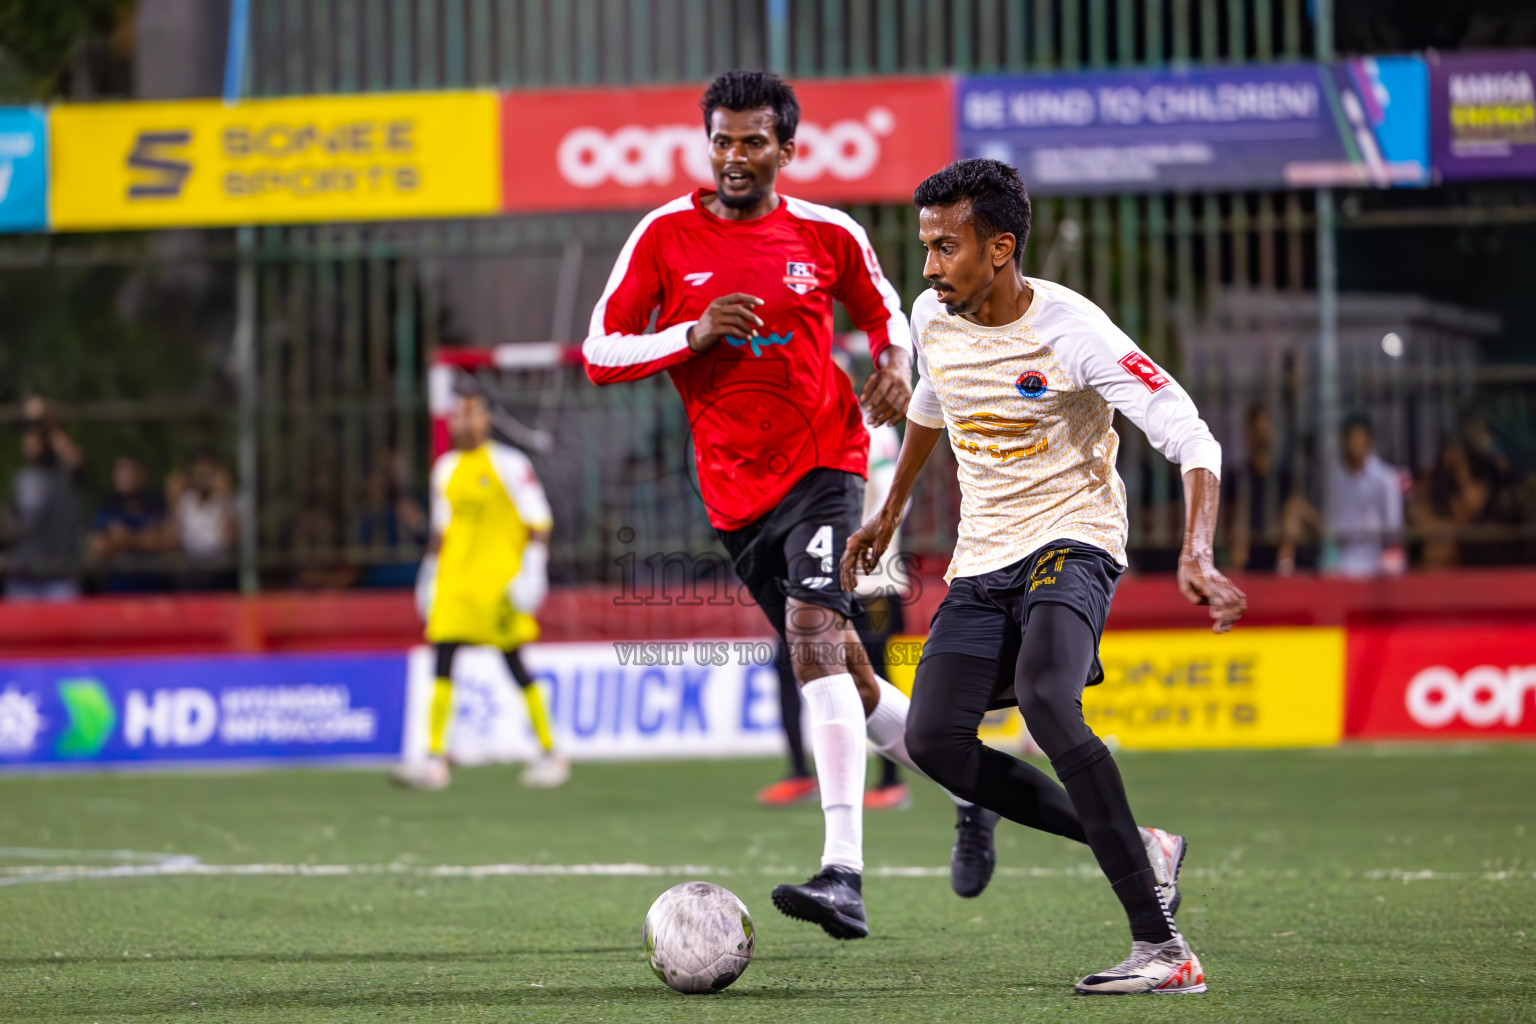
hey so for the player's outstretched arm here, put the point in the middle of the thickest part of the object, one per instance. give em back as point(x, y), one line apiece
point(867, 544)
point(1101, 356)
point(1199, 580)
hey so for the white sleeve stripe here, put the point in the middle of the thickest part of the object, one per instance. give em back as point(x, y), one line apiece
point(597, 327)
point(896, 323)
point(635, 349)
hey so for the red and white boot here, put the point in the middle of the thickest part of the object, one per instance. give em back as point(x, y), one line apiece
point(1167, 967)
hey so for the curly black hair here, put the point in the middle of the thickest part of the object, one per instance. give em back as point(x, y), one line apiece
point(749, 90)
point(995, 193)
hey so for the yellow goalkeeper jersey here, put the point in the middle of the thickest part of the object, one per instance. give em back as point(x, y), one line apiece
point(484, 504)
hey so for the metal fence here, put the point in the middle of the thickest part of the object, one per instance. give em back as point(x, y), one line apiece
point(316, 46)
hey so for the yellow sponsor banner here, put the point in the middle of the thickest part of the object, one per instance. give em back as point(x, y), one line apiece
point(202, 163)
point(1180, 689)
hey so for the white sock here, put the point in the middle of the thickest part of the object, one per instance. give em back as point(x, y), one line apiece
point(837, 740)
point(888, 730)
point(888, 725)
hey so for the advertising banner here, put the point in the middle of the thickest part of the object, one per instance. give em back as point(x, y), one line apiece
point(1360, 122)
point(1182, 689)
point(1429, 682)
point(1483, 115)
point(23, 169)
point(609, 701)
point(200, 163)
point(201, 709)
point(859, 140)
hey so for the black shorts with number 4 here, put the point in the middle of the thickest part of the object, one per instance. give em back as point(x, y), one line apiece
point(986, 616)
point(795, 550)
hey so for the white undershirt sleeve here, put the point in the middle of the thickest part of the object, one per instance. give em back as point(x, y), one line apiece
point(1100, 355)
point(924, 409)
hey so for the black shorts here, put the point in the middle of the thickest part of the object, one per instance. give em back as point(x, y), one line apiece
point(985, 616)
point(795, 550)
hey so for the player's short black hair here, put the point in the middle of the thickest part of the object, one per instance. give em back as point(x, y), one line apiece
point(749, 90)
point(467, 385)
point(1357, 421)
point(995, 193)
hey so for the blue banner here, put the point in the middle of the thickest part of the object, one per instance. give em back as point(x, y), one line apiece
point(23, 169)
point(1359, 122)
point(201, 709)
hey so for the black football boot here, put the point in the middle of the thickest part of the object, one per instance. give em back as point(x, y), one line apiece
point(972, 860)
point(831, 899)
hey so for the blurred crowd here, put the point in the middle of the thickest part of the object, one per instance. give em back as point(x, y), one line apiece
point(181, 533)
point(1469, 507)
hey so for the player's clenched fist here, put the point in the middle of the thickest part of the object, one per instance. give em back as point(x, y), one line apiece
point(1201, 583)
point(865, 546)
point(729, 314)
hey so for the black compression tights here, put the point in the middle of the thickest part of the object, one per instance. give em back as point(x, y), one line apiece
point(951, 694)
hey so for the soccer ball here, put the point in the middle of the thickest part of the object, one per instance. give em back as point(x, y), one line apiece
point(698, 937)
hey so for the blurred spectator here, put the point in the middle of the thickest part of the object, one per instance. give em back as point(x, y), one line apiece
point(42, 522)
point(316, 543)
point(131, 532)
point(1259, 497)
point(1365, 511)
point(1468, 490)
point(394, 525)
point(207, 527)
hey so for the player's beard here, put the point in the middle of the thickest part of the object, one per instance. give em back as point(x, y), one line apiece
point(744, 202)
point(953, 309)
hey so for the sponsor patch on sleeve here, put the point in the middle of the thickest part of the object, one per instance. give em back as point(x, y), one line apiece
point(1146, 371)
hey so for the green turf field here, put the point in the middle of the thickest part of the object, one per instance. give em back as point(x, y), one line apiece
point(1361, 884)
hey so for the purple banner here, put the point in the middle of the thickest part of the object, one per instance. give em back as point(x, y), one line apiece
point(1483, 115)
point(1358, 122)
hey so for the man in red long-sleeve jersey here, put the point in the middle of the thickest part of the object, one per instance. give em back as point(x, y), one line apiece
point(740, 281)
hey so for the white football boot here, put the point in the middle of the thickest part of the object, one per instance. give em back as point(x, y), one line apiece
point(427, 773)
point(1165, 851)
point(546, 772)
point(1167, 967)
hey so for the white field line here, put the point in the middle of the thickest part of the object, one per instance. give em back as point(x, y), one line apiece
point(126, 856)
point(154, 865)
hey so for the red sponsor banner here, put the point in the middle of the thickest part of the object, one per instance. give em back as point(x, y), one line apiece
point(859, 140)
point(1462, 682)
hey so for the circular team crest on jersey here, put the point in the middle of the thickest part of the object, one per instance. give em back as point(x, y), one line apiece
point(1031, 384)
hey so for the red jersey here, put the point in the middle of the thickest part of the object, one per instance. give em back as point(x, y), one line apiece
point(764, 411)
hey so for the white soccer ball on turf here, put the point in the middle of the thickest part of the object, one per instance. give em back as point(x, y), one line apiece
point(698, 937)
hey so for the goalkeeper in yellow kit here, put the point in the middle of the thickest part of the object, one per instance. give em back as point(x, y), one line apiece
point(484, 576)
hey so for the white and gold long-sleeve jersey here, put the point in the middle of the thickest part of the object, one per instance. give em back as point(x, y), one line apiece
point(1029, 407)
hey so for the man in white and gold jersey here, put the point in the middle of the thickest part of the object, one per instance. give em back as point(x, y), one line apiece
point(1026, 376)
point(483, 579)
